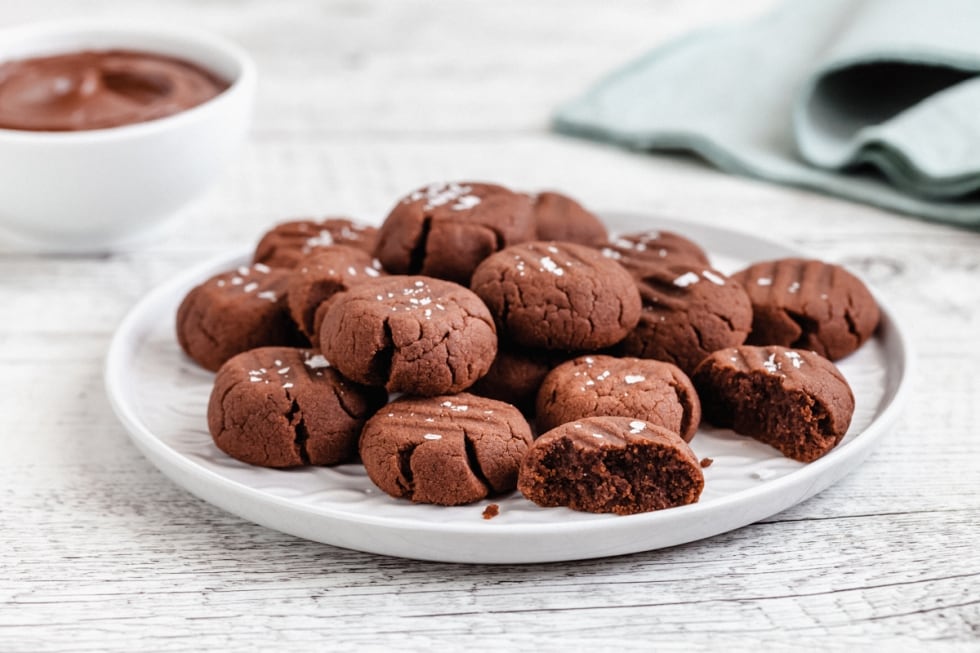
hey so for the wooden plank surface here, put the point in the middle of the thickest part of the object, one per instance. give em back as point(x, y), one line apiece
point(361, 101)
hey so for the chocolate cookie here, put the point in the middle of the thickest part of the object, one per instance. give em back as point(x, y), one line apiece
point(286, 244)
point(411, 334)
point(558, 296)
point(321, 275)
point(611, 464)
point(688, 312)
point(559, 217)
point(516, 374)
point(284, 407)
point(590, 386)
point(654, 247)
point(445, 230)
point(447, 450)
point(810, 305)
point(794, 400)
point(236, 311)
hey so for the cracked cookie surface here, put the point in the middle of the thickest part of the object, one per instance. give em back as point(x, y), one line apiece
point(321, 275)
point(809, 304)
point(688, 312)
point(286, 407)
point(794, 400)
point(445, 230)
point(610, 464)
point(556, 295)
point(594, 385)
point(411, 334)
point(448, 450)
point(286, 244)
point(236, 311)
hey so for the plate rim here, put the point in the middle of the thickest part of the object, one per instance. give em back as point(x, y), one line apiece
point(176, 465)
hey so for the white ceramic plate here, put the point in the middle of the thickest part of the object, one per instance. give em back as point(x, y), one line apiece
point(161, 397)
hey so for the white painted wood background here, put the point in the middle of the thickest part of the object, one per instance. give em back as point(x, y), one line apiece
point(360, 101)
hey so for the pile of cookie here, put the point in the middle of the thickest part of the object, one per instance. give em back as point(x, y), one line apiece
point(423, 348)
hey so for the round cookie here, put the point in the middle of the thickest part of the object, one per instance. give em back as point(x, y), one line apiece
point(809, 304)
point(285, 407)
point(558, 296)
point(559, 217)
point(794, 400)
point(412, 334)
point(688, 312)
point(321, 275)
point(589, 386)
point(653, 247)
point(236, 311)
point(445, 230)
point(286, 244)
point(447, 450)
point(516, 374)
point(610, 464)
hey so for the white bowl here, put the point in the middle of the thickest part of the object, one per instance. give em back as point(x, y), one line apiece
point(88, 190)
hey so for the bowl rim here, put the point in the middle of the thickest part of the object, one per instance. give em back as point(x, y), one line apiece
point(241, 83)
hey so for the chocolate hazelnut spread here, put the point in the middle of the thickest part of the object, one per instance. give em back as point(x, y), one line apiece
point(99, 89)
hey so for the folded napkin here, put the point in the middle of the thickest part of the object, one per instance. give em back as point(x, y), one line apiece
point(873, 100)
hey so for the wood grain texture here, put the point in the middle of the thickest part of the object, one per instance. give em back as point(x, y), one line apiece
point(361, 101)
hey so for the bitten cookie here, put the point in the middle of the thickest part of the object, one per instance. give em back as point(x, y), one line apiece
point(810, 305)
point(445, 230)
point(654, 247)
point(559, 217)
point(236, 311)
point(558, 296)
point(288, 243)
point(794, 400)
point(447, 450)
point(589, 386)
point(611, 464)
point(411, 334)
point(323, 274)
point(516, 374)
point(284, 407)
point(688, 312)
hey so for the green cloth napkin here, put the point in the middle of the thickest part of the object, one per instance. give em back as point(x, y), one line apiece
point(873, 100)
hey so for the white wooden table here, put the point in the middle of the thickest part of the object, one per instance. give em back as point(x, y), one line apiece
point(360, 101)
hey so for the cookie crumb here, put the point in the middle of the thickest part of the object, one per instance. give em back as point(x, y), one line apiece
point(706, 462)
point(491, 511)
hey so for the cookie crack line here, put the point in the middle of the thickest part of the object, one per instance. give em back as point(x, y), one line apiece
point(340, 402)
point(474, 462)
point(294, 417)
point(419, 252)
point(687, 409)
point(381, 361)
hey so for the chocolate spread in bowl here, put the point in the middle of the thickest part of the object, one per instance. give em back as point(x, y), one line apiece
point(99, 89)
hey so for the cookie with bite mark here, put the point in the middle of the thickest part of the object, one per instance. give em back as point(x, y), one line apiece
point(797, 401)
point(615, 465)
